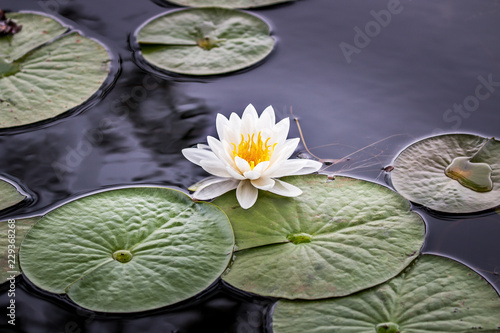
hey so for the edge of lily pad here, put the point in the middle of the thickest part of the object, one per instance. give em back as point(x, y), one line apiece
point(21, 191)
point(148, 66)
point(412, 257)
point(113, 70)
point(270, 314)
point(129, 186)
point(430, 210)
point(175, 3)
point(56, 19)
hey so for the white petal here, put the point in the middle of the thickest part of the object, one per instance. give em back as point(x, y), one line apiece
point(251, 175)
point(216, 146)
point(285, 189)
point(215, 167)
point(263, 183)
point(285, 168)
point(246, 194)
point(261, 167)
point(284, 151)
point(248, 129)
point(234, 121)
point(232, 136)
point(221, 122)
point(228, 149)
point(196, 155)
point(267, 118)
point(280, 130)
point(204, 182)
point(249, 112)
point(310, 167)
point(249, 121)
point(213, 189)
point(220, 150)
point(242, 164)
point(268, 133)
point(235, 174)
point(203, 146)
point(293, 168)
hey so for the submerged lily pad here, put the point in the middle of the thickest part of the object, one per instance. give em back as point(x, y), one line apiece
point(12, 233)
point(128, 250)
point(435, 294)
point(227, 3)
point(9, 195)
point(205, 41)
point(454, 173)
point(336, 238)
point(44, 72)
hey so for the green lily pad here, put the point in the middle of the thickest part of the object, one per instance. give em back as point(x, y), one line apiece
point(453, 173)
point(12, 233)
point(9, 195)
point(435, 294)
point(228, 3)
point(44, 72)
point(205, 41)
point(336, 238)
point(37, 30)
point(128, 250)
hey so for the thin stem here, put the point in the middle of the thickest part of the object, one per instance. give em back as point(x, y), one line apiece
point(302, 136)
point(487, 143)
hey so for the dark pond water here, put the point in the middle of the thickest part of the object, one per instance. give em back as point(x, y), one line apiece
point(397, 86)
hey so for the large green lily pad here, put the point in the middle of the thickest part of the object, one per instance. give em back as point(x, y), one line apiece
point(435, 294)
point(44, 72)
point(205, 41)
point(227, 3)
point(454, 173)
point(9, 195)
point(12, 232)
point(336, 238)
point(128, 250)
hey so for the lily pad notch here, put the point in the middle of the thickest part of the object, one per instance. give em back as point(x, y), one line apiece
point(10, 195)
point(336, 238)
point(46, 70)
point(204, 41)
point(128, 250)
point(434, 294)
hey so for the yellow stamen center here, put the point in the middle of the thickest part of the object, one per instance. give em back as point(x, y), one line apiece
point(253, 152)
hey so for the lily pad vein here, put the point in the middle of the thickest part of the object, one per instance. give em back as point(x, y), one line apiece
point(84, 274)
point(158, 229)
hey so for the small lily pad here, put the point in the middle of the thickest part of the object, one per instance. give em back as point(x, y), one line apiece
point(228, 3)
point(336, 238)
point(205, 41)
point(435, 294)
point(128, 250)
point(44, 72)
point(476, 176)
point(453, 173)
point(9, 195)
point(12, 233)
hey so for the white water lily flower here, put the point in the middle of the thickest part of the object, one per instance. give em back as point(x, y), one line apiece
point(252, 153)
